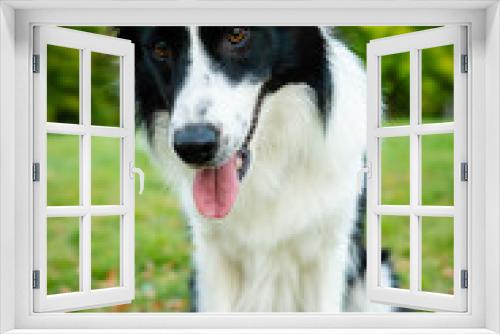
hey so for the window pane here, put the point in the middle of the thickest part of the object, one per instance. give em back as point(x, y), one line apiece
point(396, 250)
point(106, 170)
point(395, 170)
point(63, 178)
point(63, 84)
point(105, 252)
point(63, 252)
point(437, 84)
point(437, 254)
point(437, 169)
point(105, 89)
point(395, 89)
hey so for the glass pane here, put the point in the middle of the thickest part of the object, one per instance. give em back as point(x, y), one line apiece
point(437, 254)
point(63, 84)
point(105, 170)
point(437, 169)
point(395, 251)
point(63, 161)
point(105, 252)
point(395, 170)
point(437, 84)
point(395, 89)
point(63, 255)
point(105, 89)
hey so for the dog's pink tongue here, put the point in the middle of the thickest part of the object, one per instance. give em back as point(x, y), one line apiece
point(215, 189)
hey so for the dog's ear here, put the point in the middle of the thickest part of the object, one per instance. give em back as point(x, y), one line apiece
point(130, 33)
point(303, 57)
point(134, 35)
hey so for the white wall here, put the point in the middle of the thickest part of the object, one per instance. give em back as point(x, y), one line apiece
point(6, 166)
point(493, 164)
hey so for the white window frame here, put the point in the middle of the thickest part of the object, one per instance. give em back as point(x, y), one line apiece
point(413, 43)
point(16, 21)
point(85, 43)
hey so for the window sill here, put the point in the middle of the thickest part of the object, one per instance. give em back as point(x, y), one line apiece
point(252, 331)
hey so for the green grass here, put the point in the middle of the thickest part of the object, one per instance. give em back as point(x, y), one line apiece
point(395, 169)
point(62, 255)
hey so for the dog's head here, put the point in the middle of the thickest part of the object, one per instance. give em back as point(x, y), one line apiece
point(212, 81)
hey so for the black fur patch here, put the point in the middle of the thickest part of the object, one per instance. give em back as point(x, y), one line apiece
point(157, 80)
point(193, 291)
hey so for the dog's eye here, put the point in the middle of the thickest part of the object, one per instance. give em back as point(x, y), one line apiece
point(161, 51)
point(238, 36)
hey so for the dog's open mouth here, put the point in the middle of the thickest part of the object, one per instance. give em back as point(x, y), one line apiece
point(215, 189)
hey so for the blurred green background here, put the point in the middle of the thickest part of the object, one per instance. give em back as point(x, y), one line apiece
point(163, 248)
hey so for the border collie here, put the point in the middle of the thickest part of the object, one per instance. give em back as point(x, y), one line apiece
point(261, 132)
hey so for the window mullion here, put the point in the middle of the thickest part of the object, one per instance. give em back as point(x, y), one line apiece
point(85, 177)
point(414, 170)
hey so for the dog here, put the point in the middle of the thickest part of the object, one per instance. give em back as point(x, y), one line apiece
point(261, 132)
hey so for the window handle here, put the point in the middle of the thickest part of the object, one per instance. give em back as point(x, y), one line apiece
point(136, 170)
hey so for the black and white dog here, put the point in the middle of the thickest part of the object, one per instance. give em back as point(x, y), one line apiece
point(261, 131)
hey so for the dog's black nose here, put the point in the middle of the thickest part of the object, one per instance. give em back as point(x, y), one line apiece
point(196, 143)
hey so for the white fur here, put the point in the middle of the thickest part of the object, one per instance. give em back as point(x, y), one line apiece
point(284, 245)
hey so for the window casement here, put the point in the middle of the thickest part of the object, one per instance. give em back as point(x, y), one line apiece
point(415, 133)
point(84, 210)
